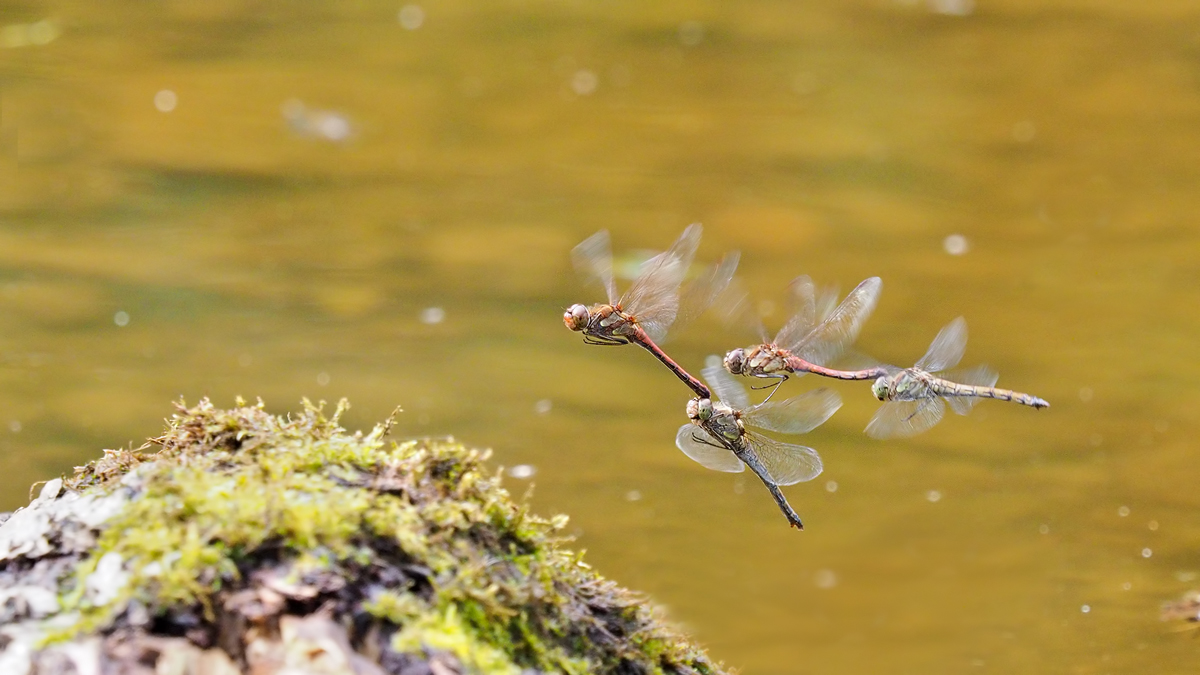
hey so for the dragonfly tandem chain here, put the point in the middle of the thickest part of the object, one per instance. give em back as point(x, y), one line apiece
point(720, 432)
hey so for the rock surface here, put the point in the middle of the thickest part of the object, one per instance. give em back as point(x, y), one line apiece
point(242, 542)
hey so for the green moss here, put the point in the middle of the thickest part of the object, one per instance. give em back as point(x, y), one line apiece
point(224, 494)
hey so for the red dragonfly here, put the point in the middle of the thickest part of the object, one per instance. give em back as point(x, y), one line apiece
point(815, 336)
point(653, 302)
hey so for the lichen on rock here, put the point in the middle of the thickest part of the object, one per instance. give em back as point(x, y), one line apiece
point(244, 542)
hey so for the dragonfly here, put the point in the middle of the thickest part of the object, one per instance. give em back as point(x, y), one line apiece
point(915, 398)
point(717, 436)
point(653, 302)
point(816, 335)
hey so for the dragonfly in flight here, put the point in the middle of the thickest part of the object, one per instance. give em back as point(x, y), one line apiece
point(815, 336)
point(717, 436)
point(653, 302)
point(915, 398)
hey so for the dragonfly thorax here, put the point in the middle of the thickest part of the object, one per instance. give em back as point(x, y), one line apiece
point(576, 317)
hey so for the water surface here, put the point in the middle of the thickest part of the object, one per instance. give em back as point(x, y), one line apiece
point(338, 199)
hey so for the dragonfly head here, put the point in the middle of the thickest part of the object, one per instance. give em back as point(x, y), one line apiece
point(700, 409)
point(880, 388)
point(735, 361)
point(576, 317)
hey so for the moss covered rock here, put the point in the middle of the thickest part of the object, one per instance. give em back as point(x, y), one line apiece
point(240, 541)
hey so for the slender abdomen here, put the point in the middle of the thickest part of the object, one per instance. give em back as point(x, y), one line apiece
point(948, 388)
point(796, 364)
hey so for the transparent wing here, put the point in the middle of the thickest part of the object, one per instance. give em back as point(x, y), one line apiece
point(829, 339)
point(803, 306)
point(727, 389)
point(947, 348)
point(797, 415)
point(979, 376)
point(786, 464)
point(707, 452)
point(736, 310)
point(700, 293)
point(593, 260)
point(654, 296)
point(897, 419)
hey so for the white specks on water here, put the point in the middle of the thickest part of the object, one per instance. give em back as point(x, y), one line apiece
point(691, 33)
point(584, 82)
point(325, 125)
point(1024, 131)
point(323, 379)
point(543, 406)
point(633, 496)
point(411, 17)
point(121, 318)
point(933, 496)
point(1126, 586)
point(1153, 525)
point(432, 315)
point(831, 486)
point(1044, 529)
point(956, 244)
point(825, 579)
point(1085, 394)
point(1123, 511)
point(14, 426)
point(165, 100)
point(952, 7)
point(522, 471)
point(1086, 609)
point(1146, 553)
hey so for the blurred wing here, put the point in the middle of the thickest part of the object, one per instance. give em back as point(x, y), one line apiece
point(803, 307)
point(786, 464)
point(700, 292)
point(727, 389)
point(979, 376)
point(593, 260)
point(653, 299)
point(737, 311)
point(697, 444)
point(897, 419)
point(830, 338)
point(947, 348)
point(797, 415)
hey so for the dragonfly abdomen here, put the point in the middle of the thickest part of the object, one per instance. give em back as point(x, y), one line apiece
point(947, 388)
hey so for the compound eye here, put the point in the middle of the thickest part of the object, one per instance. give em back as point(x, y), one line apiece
point(576, 317)
point(879, 388)
point(735, 361)
point(704, 409)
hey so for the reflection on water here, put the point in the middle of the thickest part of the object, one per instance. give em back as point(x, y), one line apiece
point(376, 200)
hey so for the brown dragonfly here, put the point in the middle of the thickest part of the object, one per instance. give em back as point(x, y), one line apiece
point(653, 301)
point(717, 437)
point(816, 335)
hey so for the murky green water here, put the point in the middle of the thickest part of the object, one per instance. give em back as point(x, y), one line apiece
point(277, 199)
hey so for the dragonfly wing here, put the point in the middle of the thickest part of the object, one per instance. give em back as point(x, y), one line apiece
point(727, 389)
point(897, 419)
point(653, 298)
point(593, 259)
point(736, 310)
point(701, 292)
point(785, 463)
point(803, 307)
point(830, 338)
point(696, 443)
point(979, 376)
point(947, 348)
point(797, 415)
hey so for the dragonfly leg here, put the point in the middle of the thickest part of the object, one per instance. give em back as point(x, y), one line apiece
point(706, 440)
point(604, 340)
point(924, 402)
point(779, 379)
